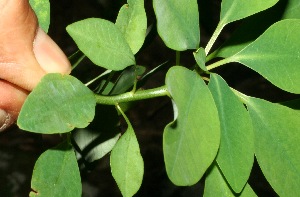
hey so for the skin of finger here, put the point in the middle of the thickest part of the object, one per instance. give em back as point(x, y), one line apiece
point(18, 30)
point(12, 99)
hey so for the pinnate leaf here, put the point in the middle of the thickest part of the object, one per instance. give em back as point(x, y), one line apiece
point(102, 42)
point(191, 141)
point(58, 104)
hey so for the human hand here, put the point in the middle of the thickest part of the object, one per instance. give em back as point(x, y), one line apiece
point(26, 55)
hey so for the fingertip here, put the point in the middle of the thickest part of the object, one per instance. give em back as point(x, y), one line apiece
point(48, 54)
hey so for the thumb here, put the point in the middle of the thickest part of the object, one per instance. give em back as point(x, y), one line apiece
point(26, 55)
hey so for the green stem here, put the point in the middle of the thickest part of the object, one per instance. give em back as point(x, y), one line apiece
point(178, 58)
point(219, 63)
point(211, 56)
point(98, 77)
point(132, 96)
point(214, 38)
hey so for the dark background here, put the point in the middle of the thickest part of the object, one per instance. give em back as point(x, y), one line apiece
point(19, 150)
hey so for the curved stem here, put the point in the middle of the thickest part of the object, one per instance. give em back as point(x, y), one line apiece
point(219, 63)
point(214, 38)
point(132, 96)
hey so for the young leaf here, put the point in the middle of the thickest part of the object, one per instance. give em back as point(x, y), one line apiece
point(42, 11)
point(178, 23)
point(102, 42)
point(275, 55)
point(191, 141)
point(200, 57)
point(132, 22)
point(58, 104)
point(233, 10)
point(127, 165)
point(236, 152)
point(56, 173)
point(276, 130)
point(215, 185)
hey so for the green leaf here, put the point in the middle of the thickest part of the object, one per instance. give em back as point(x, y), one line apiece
point(56, 173)
point(94, 144)
point(132, 21)
point(255, 25)
point(178, 23)
point(276, 130)
point(191, 141)
point(274, 55)
point(200, 58)
point(127, 165)
point(100, 136)
point(292, 9)
point(233, 10)
point(102, 42)
point(58, 104)
point(42, 11)
point(127, 79)
point(215, 185)
point(236, 153)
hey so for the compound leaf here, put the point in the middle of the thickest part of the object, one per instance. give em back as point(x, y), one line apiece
point(58, 104)
point(56, 173)
point(178, 23)
point(132, 22)
point(236, 153)
point(191, 141)
point(102, 42)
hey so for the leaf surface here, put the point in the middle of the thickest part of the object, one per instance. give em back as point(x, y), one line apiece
point(102, 42)
point(255, 25)
point(276, 130)
point(178, 23)
point(132, 22)
point(191, 141)
point(58, 104)
point(275, 55)
point(42, 11)
point(127, 165)
point(236, 153)
point(233, 10)
point(56, 173)
point(215, 185)
point(200, 58)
